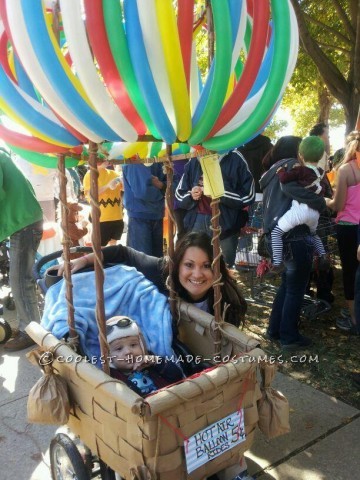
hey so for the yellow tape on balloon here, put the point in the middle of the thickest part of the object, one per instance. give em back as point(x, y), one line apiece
point(15, 117)
point(73, 79)
point(174, 66)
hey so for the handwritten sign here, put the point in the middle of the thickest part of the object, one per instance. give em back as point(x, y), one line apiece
point(214, 440)
point(213, 180)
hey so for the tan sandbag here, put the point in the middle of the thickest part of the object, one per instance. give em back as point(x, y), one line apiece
point(48, 400)
point(273, 407)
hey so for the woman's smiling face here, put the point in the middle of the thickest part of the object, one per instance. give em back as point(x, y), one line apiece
point(195, 273)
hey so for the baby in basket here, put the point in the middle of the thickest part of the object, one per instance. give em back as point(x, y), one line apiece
point(132, 364)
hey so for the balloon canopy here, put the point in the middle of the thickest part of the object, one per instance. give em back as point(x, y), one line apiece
point(99, 70)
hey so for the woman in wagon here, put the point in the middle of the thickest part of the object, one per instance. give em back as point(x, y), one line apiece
point(193, 278)
point(192, 273)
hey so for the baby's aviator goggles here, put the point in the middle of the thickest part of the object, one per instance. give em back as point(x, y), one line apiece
point(123, 322)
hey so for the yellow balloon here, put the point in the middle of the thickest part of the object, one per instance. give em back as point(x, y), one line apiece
point(137, 148)
point(174, 66)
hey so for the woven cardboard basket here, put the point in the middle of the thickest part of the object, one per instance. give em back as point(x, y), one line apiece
point(128, 432)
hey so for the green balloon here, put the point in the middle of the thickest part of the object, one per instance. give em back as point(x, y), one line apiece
point(184, 147)
point(239, 68)
point(281, 26)
point(156, 147)
point(222, 59)
point(113, 17)
point(248, 33)
point(47, 161)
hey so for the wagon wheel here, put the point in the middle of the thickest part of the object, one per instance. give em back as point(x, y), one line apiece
point(5, 331)
point(106, 472)
point(65, 460)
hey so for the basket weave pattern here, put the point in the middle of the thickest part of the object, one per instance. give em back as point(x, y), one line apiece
point(127, 431)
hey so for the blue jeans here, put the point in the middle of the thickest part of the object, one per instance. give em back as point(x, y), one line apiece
point(228, 245)
point(285, 314)
point(145, 236)
point(23, 248)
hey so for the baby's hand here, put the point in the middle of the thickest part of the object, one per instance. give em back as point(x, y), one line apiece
point(143, 362)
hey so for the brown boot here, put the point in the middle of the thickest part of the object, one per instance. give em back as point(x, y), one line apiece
point(19, 342)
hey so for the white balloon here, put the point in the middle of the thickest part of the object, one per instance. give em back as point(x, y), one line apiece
point(76, 37)
point(35, 72)
point(155, 55)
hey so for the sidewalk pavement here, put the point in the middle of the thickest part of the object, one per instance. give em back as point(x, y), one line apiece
point(322, 444)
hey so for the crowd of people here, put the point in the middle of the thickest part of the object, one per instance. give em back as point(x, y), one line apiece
point(291, 179)
point(295, 186)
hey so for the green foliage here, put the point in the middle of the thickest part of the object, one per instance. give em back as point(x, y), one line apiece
point(330, 25)
point(275, 128)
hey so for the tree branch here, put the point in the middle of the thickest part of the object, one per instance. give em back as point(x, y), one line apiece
point(356, 61)
point(332, 76)
point(334, 48)
point(344, 18)
point(326, 28)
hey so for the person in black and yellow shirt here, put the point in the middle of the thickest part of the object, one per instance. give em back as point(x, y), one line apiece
point(111, 210)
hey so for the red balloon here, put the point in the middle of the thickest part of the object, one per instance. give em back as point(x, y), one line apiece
point(96, 30)
point(185, 19)
point(29, 143)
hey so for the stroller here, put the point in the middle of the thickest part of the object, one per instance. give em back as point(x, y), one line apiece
point(112, 429)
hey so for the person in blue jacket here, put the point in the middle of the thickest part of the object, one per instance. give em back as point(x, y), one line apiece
point(144, 191)
point(239, 194)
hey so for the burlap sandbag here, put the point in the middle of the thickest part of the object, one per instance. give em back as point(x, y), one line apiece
point(273, 407)
point(48, 400)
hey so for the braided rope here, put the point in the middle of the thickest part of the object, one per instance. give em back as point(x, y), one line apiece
point(66, 243)
point(215, 241)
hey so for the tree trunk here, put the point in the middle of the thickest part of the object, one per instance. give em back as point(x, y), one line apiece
point(325, 104)
point(351, 111)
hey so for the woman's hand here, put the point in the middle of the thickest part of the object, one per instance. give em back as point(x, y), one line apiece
point(75, 265)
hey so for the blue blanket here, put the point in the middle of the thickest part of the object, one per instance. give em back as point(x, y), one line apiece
point(126, 292)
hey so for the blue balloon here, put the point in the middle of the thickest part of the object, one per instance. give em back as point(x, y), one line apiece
point(23, 80)
point(235, 12)
point(36, 27)
point(30, 115)
point(144, 75)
